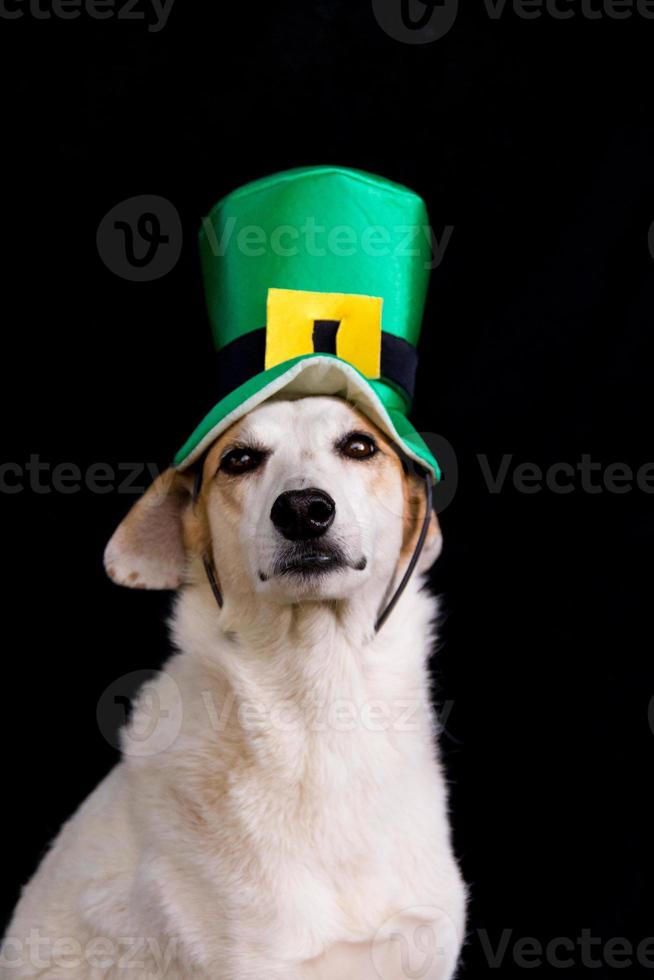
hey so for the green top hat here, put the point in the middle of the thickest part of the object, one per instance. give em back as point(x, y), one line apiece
point(316, 281)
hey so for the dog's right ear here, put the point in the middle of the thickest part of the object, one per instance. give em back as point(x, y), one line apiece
point(147, 549)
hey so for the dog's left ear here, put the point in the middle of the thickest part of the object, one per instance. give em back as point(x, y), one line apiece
point(415, 503)
point(147, 551)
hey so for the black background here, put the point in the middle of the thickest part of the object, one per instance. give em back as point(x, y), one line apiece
point(533, 139)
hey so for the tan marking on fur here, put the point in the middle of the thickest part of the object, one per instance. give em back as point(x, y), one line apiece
point(414, 510)
point(231, 489)
point(196, 528)
point(414, 515)
point(413, 490)
point(190, 811)
point(385, 473)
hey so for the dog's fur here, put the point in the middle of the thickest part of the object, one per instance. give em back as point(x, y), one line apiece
point(279, 811)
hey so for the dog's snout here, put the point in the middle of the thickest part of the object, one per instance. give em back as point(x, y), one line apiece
point(303, 514)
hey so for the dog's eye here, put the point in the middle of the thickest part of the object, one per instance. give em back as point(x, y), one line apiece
point(241, 460)
point(358, 445)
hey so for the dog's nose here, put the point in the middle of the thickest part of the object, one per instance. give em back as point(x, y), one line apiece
point(303, 514)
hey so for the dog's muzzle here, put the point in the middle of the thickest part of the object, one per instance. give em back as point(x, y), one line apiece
point(315, 514)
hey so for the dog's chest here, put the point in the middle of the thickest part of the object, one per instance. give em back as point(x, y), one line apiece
point(330, 842)
point(306, 818)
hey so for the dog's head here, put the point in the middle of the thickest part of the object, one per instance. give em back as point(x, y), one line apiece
point(302, 499)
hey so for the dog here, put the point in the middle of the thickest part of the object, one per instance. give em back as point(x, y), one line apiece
point(285, 814)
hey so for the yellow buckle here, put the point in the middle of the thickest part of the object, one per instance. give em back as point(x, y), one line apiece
point(293, 316)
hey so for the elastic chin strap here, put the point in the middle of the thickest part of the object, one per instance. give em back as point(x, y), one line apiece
point(206, 561)
point(383, 616)
point(213, 581)
point(390, 606)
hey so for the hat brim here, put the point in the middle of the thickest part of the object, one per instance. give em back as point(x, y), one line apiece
point(313, 374)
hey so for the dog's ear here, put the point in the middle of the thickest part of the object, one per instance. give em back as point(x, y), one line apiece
point(147, 549)
point(415, 501)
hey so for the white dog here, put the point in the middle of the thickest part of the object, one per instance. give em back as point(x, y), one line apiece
point(280, 810)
